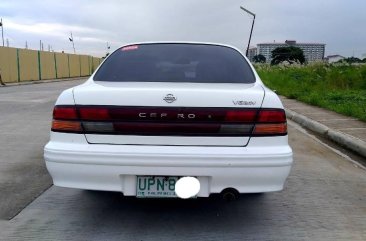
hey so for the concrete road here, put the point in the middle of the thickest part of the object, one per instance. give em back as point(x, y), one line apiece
point(324, 197)
point(26, 114)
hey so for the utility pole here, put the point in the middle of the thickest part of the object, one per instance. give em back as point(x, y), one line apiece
point(2, 30)
point(72, 40)
point(251, 31)
point(7, 42)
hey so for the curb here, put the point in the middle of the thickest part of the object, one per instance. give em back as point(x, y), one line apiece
point(42, 81)
point(340, 138)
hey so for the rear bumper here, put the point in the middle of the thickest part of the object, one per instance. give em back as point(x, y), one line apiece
point(115, 167)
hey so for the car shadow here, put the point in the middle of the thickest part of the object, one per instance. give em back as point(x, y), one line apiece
point(95, 215)
point(178, 213)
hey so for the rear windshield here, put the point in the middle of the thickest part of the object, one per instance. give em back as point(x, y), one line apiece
point(195, 63)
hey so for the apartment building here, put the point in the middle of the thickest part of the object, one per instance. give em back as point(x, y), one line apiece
point(312, 51)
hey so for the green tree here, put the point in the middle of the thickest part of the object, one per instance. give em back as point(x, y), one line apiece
point(259, 58)
point(289, 54)
point(352, 60)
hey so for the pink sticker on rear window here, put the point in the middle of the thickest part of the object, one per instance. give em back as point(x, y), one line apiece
point(132, 47)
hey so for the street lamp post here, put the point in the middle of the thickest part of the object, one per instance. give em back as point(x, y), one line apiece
point(72, 40)
point(2, 30)
point(251, 31)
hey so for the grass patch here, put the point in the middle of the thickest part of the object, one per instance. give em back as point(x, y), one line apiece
point(341, 88)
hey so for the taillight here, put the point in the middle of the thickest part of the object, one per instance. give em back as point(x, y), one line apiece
point(169, 121)
point(65, 113)
point(270, 122)
point(271, 115)
point(66, 126)
point(270, 129)
point(65, 119)
point(94, 113)
point(247, 116)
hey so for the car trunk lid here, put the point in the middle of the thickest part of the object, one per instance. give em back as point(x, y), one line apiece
point(153, 113)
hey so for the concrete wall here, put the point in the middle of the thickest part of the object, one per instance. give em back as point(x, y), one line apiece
point(85, 67)
point(28, 65)
point(48, 67)
point(18, 65)
point(74, 61)
point(95, 63)
point(8, 64)
point(62, 61)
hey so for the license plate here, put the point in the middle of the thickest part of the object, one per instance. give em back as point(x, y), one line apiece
point(154, 186)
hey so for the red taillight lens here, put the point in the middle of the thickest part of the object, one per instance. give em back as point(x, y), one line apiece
point(65, 113)
point(271, 116)
point(87, 113)
point(246, 116)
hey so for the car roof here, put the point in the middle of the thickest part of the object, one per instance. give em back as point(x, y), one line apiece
point(182, 42)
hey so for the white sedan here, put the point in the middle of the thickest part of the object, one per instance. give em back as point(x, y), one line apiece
point(153, 113)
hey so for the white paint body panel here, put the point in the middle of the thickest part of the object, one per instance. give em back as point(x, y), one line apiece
point(153, 93)
point(72, 162)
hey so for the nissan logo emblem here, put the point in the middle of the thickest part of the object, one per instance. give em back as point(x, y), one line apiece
point(170, 98)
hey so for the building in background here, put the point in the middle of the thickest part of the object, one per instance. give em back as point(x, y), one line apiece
point(251, 53)
point(312, 51)
point(333, 58)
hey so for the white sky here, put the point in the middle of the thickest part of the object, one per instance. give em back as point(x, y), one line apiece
point(340, 24)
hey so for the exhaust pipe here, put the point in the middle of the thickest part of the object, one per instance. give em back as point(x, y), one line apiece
point(230, 194)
